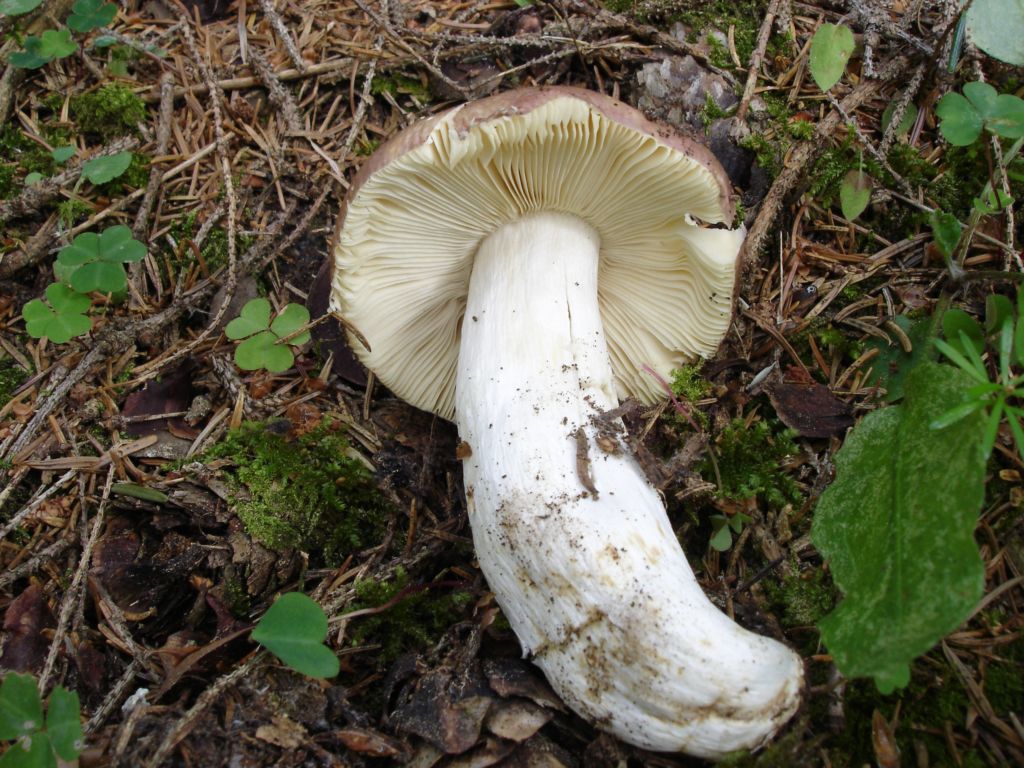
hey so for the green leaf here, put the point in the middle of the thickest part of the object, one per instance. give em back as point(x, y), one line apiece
point(100, 276)
point(62, 320)
point(263, 351)
point(1006, 118)
point(18, 7)
point(21, 710)
point(63, 723)
point(961, 122)
point(33, 178)
point(56, 44)
point(982, 97)
point(721, 540)
point(137, 491)
point(995, 27)
point(63, 154)
point(34, 751)
point(30, 58)
point(1018, 341)
point(292, 317)
point(909, 118)
point(87, 15)
point(892, 365)
point(955, 322)
point(293, 629)
point(946, 230)
point(897, 527)
point(854, 194)
point(992, 200)
point(254, 318)
point(99, 258)
point(831, 48)
point(100, 170)
point(998, 310)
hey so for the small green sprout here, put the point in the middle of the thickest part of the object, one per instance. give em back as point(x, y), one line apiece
point(724, 527)
point(293, 629)
point(962, 117)
point(87, 15)
point(267, 344)
point(38, 743)
point(52, 44)
point(61, 320)
point(854, 194)
point(99, 259)
point(100, 170)
point(63, 154)
point(831, 48)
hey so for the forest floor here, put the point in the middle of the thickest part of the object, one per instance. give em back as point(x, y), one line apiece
point(154, 499)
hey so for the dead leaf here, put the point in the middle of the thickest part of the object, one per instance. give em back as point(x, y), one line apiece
point(517, 720)
point(25, 645)
point(887, 753)
point(369, 742)
point(809, 407)
point(282, 732)
point(512, 677)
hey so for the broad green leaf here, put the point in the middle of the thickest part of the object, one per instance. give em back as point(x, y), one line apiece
point(87, 15)
point(99, 258)
point(955, 321)
point(831, 48)
point(1018, 341)
point(63, 723)
point(34, 751)
point(292, 317)
point(982, 97)
point(33, 178)
point(100, 170)
point(995, 27)
point(892, 365)
point(909, 118)
point(854, 194)
point(1006, 118)
point(116, 244)
point(52, 44)
point(21, 710)
point(293, 629)
point(30, 58)
point(18, 7)
point(946, 230)
point(254, 317)
point(961, 122)
point(263, 351)
point(897, 527)
point(137, 491)
point(63, 154)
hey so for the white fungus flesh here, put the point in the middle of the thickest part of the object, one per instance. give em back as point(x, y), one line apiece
point(517, 272)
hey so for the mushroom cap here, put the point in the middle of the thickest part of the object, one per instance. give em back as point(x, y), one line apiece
point(419, 207)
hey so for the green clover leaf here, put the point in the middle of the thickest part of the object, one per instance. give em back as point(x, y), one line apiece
point(18, 7)
point(87, 15)
point(262, 346)
point(63, 723)
point(100, 170)
point(961, 122)
point(293, 629)
point(62, 320)
point(53, 44)
point(21, 710)
point(100, 258)
point(254, 317)
point(981, 106)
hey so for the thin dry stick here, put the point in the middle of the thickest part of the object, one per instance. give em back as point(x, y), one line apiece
point(113, 698)
point(900, 109)
point(284, 33)
point(35, 248)
point(756, 58)
point(30, 566)
point(279, 95)
point(70, 596)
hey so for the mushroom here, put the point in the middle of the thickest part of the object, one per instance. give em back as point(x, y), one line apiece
point(517, 264)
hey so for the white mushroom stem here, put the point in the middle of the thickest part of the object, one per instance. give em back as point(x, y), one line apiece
point(593, 580)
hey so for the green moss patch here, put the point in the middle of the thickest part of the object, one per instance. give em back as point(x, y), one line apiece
point(111, 111)
point(750, 463)
point(305, 493)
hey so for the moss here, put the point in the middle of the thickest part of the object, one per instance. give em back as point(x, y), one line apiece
point(711, 112)
point(214, 251)
point(1004, 680)
point(801, 599)
point(28, 155)
point(111, 111)
point(305, 493)
point(8, 186)
point(744, 16)
point(402, 84)
point(414, 622)
point(766, 154)
point(11, 377)
point(72, 210)
point(688, 384)
point(750, 463)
